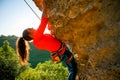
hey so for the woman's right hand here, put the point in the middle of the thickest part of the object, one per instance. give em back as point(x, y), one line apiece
point(46, 10)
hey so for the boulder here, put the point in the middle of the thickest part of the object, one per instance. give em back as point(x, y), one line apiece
point(91, 28)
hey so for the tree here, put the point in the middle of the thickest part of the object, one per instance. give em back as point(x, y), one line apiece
point(45, 71)
point(9, 63)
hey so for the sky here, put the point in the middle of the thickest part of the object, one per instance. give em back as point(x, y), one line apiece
point(15, 16)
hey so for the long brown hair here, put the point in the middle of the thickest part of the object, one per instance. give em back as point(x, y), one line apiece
point(22, 46)
point(22, 49)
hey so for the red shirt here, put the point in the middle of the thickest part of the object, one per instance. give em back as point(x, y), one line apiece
point(45, 41)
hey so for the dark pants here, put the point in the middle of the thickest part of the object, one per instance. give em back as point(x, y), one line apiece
point(72, 65)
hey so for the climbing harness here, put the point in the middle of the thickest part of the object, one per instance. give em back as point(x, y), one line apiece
point(56, 56)
point(32, 9)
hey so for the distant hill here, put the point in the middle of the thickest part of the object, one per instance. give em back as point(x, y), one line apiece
point(11, 40)
point(35, 56)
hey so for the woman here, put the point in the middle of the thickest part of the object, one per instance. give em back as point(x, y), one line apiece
point(58, 49)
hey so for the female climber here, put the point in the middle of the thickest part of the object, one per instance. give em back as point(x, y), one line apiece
point(58, 50)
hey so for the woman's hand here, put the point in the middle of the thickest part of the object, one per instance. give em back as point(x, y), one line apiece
point(41, 5)
point(46, 10)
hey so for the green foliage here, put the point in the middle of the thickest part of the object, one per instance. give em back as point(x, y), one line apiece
point(45, 71)
point(11, 69)
point(35, 55)
point(9, 64)
point(10, 39)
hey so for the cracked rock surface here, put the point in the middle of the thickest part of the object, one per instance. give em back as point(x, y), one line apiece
point(92, 30)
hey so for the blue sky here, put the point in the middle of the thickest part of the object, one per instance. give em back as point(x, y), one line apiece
point(15, 16)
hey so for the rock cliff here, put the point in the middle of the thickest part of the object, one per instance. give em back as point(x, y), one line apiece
point(92, 30)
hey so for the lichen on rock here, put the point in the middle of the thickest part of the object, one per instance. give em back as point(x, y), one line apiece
point(92, 29)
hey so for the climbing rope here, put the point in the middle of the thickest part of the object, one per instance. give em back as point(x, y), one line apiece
point(32, 9)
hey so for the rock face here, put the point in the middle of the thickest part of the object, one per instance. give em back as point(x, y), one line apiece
point(92, 30)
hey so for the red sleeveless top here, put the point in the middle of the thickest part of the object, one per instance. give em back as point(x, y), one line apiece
point(45, 41)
